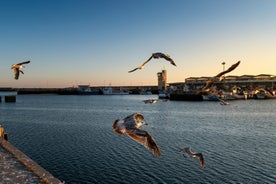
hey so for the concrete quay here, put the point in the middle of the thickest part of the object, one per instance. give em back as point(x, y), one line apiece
point(16, 167)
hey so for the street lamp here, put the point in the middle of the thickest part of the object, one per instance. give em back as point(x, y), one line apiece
point(223, 66)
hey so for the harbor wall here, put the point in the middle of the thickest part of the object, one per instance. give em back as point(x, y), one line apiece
point(29, 164)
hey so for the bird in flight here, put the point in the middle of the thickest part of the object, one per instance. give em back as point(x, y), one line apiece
point(130, 126)
point(156, 55)
point(222, 102)
point(218, 77)
point(16, 68)
point(190, 153)
point(150, 101)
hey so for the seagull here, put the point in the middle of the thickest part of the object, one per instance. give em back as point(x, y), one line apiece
point(16, 68)
point(218, 77)
point(130, 125)
point(190, 153)
point(156, 55)
point(222, 102)
point(151, 101)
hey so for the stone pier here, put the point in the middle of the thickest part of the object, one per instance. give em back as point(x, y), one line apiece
point(16, 167)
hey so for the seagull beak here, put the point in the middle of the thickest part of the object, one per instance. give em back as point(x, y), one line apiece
point(145, 123)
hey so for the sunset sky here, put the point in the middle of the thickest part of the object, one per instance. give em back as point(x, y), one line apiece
point(96, 42)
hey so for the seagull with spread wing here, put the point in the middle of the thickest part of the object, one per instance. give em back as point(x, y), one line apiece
point(156, 55)
point(16, 68)
point(190, 153)
point(130, 126)
point(150, 101)
point(218, 77)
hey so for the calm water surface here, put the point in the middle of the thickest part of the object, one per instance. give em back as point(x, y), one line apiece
point(72, 138)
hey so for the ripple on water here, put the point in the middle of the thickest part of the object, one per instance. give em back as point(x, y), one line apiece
point(72, 137)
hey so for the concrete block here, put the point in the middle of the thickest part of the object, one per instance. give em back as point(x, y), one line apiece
point(10, 98)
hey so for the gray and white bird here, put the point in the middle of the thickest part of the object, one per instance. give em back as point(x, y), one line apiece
point(16, 68)
point(150, 101)
point(130, 126)
point(156, 55)
point(190, 153)
point(218, 77)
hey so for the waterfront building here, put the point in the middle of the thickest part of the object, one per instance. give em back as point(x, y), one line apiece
point(250, 82)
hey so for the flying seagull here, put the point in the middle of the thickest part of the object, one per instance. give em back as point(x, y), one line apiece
point(190, 153)
point(156, 55)
point(16, 68)
point(150, 101)
point(222, 102)
point(130, 125)
point(218, 77)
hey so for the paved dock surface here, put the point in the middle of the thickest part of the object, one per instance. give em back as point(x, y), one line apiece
point(17, 168)
point(12, 171)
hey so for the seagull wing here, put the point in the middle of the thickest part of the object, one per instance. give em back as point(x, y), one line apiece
point(189, 150)
point(233, 67)
point(25, 62)
point(141, 66)
point(144, 138)
point(211, 81)
point(147, 60)
point(168, 59)
point(133, 70)
point(208, 84)
point(201, 159)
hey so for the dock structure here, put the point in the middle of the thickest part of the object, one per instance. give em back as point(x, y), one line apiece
point(16, 167)
point(9, 96)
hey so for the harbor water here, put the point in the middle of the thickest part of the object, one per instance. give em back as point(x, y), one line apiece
point(72, 138)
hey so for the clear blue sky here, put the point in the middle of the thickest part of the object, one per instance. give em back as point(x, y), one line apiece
point(97, 42)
